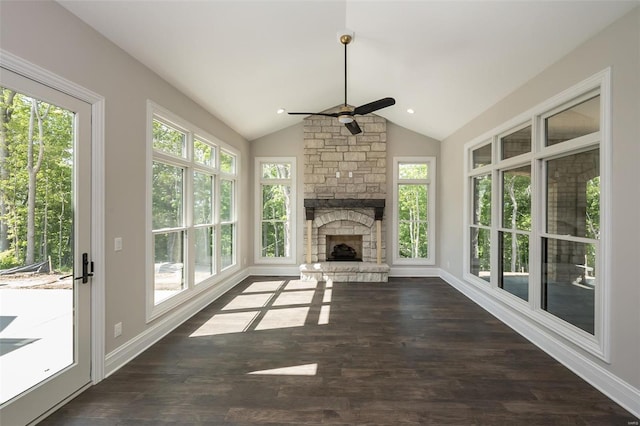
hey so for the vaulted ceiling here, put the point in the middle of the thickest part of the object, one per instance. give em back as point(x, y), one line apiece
point(446, 60)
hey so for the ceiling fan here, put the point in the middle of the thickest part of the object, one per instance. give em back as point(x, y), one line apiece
point(346, 113)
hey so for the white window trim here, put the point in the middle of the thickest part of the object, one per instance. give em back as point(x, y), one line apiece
point(597, 344)
point(431, 210)
point(258, 258)
point(191, 290)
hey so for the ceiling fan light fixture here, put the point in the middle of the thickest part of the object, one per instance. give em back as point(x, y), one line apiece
point(344, 119)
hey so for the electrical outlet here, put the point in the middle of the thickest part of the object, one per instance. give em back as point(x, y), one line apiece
point(117, 244)
point(117, 329)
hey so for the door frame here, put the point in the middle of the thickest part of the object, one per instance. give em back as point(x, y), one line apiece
point(27, 69)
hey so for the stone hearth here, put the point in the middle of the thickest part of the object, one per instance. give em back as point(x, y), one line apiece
point(345, 272)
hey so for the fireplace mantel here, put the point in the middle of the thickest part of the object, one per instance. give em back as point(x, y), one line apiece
point(311, 204)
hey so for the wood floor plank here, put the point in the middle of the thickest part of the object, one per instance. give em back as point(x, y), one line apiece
point(275, 350)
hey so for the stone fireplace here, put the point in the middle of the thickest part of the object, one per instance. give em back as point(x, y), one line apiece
point(345, 190)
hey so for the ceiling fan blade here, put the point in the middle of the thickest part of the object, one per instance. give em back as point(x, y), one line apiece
point(374, 106)
point(353, 127)
point(332, 114)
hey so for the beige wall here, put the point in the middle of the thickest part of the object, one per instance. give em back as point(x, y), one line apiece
point(290, 142)
point(67, 47)
point(617, 47)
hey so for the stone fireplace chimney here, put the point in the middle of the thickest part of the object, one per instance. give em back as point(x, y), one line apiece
point(345, 189)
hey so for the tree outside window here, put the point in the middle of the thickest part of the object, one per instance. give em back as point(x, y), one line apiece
point(480, 247)
point(276, 197)
point(413, 196)
point(514, 234)
point(36, 167)
point(168, 218)
point(227, 222)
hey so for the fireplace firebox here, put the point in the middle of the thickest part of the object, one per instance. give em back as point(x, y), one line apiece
point(344, 248)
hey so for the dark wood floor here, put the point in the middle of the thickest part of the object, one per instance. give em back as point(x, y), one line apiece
point(279, 351)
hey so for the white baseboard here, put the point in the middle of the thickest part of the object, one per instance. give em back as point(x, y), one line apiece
point(612, 386)
point(119, 357)
point(275, 270)
point(414, 271)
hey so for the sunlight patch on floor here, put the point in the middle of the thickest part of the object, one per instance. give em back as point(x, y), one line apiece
point(294, 298)
point(301, 285)
point(327, 296)
point(236, 322)
point(295, 370)
point(248, 301)
point(264, 286)
point(323, 319)
point(284, 318)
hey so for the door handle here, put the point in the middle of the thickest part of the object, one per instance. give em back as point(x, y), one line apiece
point(85, 269)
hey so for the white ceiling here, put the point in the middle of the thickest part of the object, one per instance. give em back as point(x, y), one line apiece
point(448, 60)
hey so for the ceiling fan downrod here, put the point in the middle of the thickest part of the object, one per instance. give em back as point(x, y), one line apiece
point(345, 39)
point(347, 114)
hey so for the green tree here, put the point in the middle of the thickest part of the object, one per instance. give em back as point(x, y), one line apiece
point(516, 215)
point(275, 220)
point(413, 207)
point(592, 219)
point(276, 209)
point(36, 180)
point(412, 215)
point(6, 111)
point(168, 193)
point(482, 216)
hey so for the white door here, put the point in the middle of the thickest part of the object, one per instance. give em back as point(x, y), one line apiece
point(45, 179)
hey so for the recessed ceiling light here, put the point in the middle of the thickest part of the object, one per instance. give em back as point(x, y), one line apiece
point(281, 110)
point(410, 111)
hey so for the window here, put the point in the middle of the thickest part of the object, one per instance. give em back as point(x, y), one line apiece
point(168, 229)
point(537, 244)
point(579, 120)
point(190, 175)
point(228, 217)
point(275, 215)
point(203, 225)
point(414, 201)
point(481, 156)
point(515, 231)
point(515, 143)
point(481, 228)
point(571, 238)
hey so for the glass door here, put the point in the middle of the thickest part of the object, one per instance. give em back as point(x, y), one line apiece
point(45, 263)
